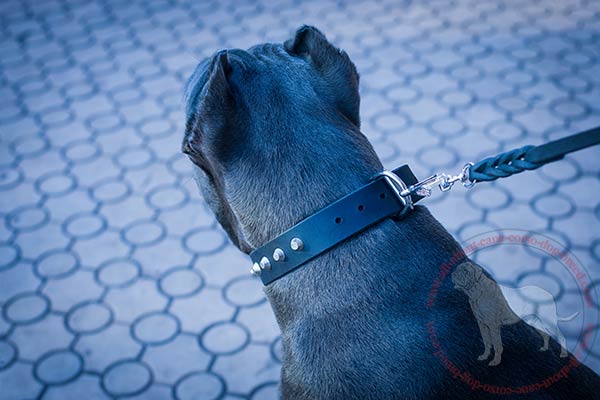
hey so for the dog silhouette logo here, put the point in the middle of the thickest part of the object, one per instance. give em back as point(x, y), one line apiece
point(495, 305)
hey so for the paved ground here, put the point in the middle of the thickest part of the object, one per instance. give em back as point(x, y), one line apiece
point(116, 281)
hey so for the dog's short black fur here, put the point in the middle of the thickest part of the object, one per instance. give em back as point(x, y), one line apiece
point(274, 133)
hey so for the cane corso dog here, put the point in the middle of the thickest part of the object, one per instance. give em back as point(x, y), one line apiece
point(274, 135)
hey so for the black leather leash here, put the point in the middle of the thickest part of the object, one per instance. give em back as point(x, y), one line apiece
point(393, 194)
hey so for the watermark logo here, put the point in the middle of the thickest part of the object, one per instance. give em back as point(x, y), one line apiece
point(495, 306)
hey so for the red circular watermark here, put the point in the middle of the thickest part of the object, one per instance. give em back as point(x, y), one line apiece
point(550, 249)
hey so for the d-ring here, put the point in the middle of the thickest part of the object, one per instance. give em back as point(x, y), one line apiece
point(399, 187)
point(464, 176)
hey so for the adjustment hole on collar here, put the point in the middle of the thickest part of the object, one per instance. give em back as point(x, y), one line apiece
point(382, 195)
point(338, 220)
point(361, 207)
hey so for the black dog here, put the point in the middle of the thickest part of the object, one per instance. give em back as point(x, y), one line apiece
point(274, 133)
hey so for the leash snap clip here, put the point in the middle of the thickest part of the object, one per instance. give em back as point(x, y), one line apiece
point(449, 181)
point(423, 188)
point(443, 181)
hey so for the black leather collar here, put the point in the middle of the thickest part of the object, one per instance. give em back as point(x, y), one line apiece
point(392, 194)
point(377, 200)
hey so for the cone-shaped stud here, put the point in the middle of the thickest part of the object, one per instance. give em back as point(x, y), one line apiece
point(255, 270)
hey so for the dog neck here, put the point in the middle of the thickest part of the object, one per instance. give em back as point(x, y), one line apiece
point(390, 267)
point(388, 263)
point(298, 180)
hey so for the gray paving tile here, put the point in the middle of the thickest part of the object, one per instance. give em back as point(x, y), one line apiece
point(65, 293)
point(85, 386)
point(173, 360)
point(102, 349)
point(17, 280)
point(199, 311)
point(40, 337)
point(130, 302)
point(245, 368)
point(111, 265)
point(18, 382)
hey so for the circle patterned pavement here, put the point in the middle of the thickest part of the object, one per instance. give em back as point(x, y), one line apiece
point(59, 367)
point(126, 378)
point(115, 280)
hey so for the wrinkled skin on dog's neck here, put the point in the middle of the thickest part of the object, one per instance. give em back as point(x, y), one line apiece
point(274, 134)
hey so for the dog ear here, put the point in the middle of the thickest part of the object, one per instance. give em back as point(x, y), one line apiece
point(210, 109)
point(309, 41)
point(217, 105)
point(333, 64)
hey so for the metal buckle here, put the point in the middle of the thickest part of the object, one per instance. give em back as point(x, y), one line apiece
point(423, 188)
point(400, 190)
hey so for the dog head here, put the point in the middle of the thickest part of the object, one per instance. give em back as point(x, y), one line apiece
point(273, 132)
point(466, 275)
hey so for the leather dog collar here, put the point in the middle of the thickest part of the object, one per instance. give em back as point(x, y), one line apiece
point(392, 194)
point(379, 199)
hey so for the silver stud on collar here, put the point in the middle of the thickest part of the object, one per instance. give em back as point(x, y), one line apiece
point(255, 270)
point(296, 244)
point(265, 263)
point(278, 255)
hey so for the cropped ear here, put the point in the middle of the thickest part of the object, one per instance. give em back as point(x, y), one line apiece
point(216, 105)
point(211, 111)
point(333, 64)
point(309, 41)
point(210, 108)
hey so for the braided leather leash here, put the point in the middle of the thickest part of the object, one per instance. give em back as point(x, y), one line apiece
point(531, 157)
